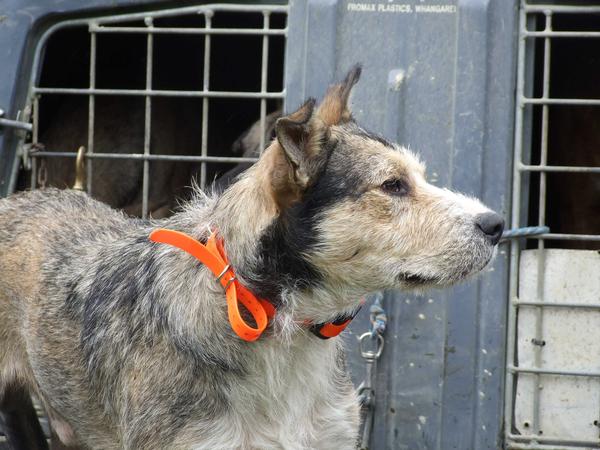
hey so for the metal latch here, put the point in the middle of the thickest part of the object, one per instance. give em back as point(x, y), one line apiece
point(14, 123)
point(515, 233)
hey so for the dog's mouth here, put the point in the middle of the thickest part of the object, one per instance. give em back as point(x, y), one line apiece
point(416, 279)
point(445, 277)
point(419, 280)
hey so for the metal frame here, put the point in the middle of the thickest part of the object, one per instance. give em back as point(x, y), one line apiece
point(110, 24)
point(533, 440)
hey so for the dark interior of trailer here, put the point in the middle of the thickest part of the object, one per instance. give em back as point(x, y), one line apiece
point(573, 199)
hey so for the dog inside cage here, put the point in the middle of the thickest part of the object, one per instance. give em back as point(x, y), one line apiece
point(160, 102)
point(570, 204)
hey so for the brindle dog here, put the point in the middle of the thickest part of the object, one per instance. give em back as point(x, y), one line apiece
point(127, 343)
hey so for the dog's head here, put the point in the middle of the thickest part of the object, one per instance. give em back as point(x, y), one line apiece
point(355, 212)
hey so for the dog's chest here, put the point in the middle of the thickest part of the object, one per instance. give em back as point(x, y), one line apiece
point(294, 397)
point(294, 385)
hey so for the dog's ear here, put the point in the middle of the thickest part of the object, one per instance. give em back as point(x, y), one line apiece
point(334, 108)
point(300, 138)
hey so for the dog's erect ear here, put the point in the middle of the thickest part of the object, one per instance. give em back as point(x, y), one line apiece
point(300, 136)
point(334, 108)
point(297, 156)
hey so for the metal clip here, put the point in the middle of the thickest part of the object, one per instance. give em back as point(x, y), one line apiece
point(371, 354)
point(231, 280)
point(79, 184)
point(222, 274)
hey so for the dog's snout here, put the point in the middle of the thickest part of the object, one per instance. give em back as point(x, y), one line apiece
point(491, 224)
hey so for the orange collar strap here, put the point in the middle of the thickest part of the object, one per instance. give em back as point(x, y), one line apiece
point(213, 256)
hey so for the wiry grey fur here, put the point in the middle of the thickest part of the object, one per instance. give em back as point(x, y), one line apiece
point(126, 342)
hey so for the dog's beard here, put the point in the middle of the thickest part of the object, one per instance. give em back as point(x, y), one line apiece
point(438, 277)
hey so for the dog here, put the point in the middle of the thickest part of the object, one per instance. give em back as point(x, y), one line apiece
point(128, 342)
point(119, 128)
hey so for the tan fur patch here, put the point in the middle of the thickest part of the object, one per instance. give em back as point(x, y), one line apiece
point(334, 107)
point(333, 110)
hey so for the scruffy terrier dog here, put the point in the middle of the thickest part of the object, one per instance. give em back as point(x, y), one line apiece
point(128, 343)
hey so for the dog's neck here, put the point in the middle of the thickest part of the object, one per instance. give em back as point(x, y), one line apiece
point(265, 248)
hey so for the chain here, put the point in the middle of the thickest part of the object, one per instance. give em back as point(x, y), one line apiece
point(371, 346)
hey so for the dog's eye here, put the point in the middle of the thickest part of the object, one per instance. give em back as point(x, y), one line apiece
point(395, 187)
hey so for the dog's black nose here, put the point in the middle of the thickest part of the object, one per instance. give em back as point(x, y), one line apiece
point(491, 224)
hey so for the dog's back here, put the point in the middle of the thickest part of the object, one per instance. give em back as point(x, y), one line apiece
point(71, 221)
point(22, 256)
point(32, 267)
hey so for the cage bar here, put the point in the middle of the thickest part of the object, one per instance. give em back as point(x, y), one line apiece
point(573, 305)
point(161, 93)
point(91, 111)
point(549, 440)
point(562, 34)
point(188, 31)
point(35, 137)
point(560, 101)
point(150, 157)
point(562, 9)
point(263, 79)
point(541, 256)
point(147, 119)
point(515, 223)
point(205, 86)
point(566, 373)
point(567, 169)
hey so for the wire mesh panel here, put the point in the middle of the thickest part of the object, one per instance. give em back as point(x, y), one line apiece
point(553, 357)
point(137, 95)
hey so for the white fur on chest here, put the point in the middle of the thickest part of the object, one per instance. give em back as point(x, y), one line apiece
point(294, 398)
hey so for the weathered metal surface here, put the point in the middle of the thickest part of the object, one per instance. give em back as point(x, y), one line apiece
point(569, 395)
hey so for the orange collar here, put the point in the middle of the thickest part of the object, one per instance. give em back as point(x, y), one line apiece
point(213, 256)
